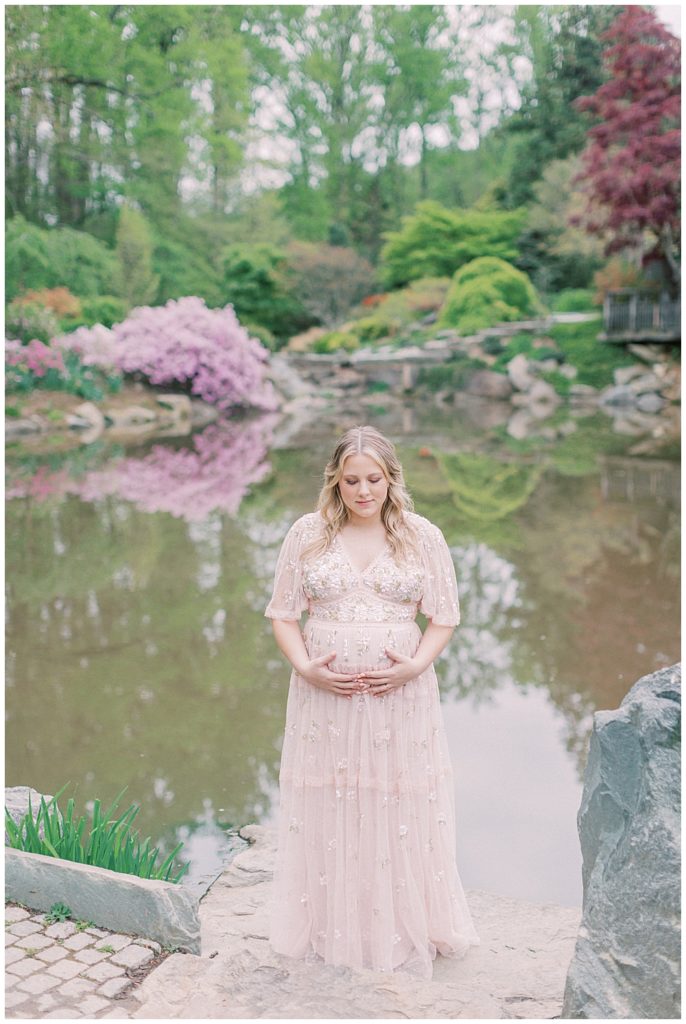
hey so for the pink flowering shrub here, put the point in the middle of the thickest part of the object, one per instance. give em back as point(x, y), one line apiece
point(36, 358)
point(184, 343)
point(95, 346)
point(53, 368)
point(214, 474)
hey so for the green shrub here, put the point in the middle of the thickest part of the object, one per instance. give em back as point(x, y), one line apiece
point(256, 281)
point(109, 844)
point(371, 328)
point(595, 361)
point(103, 309)
point(435, 241)
point(485, 292)
point(50, 257)
point(334, 340)
point(27, 320)
point(453, 375)
point(574, 300)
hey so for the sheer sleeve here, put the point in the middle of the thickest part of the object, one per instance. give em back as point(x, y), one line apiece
point(288, 600)
point(440, 601)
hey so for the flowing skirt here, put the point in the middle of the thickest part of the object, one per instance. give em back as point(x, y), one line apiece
point(365, 874)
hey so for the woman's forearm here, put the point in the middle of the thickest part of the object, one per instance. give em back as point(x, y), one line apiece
point(290, 642)
point(434, 639)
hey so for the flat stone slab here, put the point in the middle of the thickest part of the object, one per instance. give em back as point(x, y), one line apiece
point(155, 909)
point(519, 969)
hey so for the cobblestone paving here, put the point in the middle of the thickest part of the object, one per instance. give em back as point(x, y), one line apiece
point(61, 971)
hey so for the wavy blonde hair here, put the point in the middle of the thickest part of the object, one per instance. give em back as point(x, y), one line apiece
point(366, 440)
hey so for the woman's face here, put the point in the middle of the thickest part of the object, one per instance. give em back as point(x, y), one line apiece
point(363, 488)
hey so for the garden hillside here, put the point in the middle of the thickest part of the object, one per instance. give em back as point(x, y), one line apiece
point(165, 226)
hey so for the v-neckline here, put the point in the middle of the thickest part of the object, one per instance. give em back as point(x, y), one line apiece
point(367, 567)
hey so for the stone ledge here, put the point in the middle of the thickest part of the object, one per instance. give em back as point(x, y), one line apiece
point(158, 910)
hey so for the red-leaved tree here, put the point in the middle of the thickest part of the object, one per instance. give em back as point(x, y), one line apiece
point(631, 164)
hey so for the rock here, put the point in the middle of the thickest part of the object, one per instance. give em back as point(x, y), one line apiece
point(544, 365)
point(130, 416)
point(518, 970)
point(19, 426)
point(163, 911)
point(518, 372)
point(89, 411)
point(645, 382)
point(520, 425)
point(650, 353)
point(77, 422)
point(540, 394)
point(650, 402)
point(568, 371)
point(287, 379)
point(179, 406)
point(17, 803)
point(489, 384)
point(623, 374)
point(566, 428)
point(626, 959)
point(304, 342)
point(617, 394)
point(583, 393)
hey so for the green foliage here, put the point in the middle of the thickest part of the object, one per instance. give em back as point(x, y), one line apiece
point(49, 257)
point(184, 269)
point(27, 320)
point(58, 912)
point(435, 241)
point(255, 279)
point(109, 843)
point(484, 489)
point(105, 309)
point(594, 360)
point(371, 328)
point(485, 292)
point(134, 279)
point(453, 375)
point(574, 300)
point(88, 382)
point(334, 340)
point(521, 344)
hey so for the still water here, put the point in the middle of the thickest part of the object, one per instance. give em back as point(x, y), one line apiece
point(138, 654)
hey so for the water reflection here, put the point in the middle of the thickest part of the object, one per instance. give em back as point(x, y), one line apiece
point(137, 652)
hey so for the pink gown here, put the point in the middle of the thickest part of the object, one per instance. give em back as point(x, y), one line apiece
point(365, 874)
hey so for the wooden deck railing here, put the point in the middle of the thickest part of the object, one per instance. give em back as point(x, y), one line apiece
point(641, 316)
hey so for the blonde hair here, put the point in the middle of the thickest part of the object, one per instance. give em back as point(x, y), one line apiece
point(366, 441)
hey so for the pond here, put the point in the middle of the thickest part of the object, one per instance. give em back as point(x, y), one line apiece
point(138, 654)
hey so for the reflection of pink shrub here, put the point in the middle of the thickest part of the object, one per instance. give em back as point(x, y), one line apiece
point(184, 342)
point(215, 474)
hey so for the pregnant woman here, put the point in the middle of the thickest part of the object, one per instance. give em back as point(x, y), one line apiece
point(365, 874)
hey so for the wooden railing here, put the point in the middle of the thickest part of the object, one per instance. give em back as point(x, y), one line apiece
point(630, 315)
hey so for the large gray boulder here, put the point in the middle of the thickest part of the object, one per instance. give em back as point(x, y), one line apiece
point(626, 959)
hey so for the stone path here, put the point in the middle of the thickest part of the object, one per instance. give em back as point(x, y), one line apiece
point(62, 971)
point(518, 971)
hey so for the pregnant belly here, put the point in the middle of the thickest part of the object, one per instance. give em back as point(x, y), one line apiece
point(360, 645)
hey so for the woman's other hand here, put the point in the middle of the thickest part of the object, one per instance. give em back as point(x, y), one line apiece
point(384, 680)
point(318, 673)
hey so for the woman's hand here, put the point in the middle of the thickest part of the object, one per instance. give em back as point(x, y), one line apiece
point(318, 673)
point(384, 680)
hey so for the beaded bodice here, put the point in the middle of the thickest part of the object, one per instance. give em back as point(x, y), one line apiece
point(383, 592)
point(329, 587)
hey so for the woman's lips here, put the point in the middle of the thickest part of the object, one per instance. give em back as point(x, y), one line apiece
point(368, 502)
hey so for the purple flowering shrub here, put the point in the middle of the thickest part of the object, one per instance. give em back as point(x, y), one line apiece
point(184, 343)
point(215, 474)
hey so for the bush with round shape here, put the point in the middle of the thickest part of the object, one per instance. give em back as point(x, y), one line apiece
point(485, 292)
